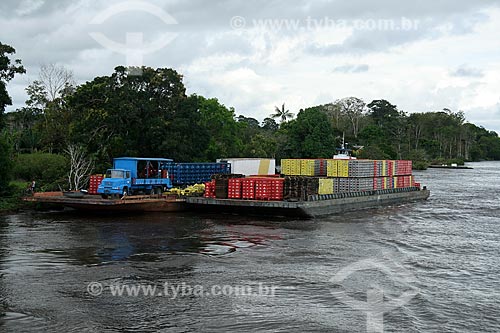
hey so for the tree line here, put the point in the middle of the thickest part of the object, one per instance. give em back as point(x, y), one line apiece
point(152, 115)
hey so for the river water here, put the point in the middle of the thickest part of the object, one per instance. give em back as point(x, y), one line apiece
point(419, 267)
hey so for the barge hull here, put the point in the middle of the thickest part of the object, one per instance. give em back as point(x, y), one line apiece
point(309, 209)
point(96, 204)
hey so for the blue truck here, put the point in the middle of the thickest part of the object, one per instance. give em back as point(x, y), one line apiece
point(131, 175)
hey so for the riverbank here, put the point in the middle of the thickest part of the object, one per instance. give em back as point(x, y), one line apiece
point(13, 203)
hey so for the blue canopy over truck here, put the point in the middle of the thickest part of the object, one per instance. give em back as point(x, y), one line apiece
point(136, 174)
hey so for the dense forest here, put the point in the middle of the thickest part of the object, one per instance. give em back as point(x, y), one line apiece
point(151, 115)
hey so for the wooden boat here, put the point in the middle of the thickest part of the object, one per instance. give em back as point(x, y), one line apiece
point(94, 203)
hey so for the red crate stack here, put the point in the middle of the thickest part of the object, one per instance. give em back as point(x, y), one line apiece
point(390, 168)
point(248, 188)
point(209, 189)
point(408, 180)
point(322, 167)
point(269, 188)
point(403, 167)
point(234, 188)
point(400, 182)
point(95, 181)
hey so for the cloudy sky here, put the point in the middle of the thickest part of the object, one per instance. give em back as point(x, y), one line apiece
point(253, 55)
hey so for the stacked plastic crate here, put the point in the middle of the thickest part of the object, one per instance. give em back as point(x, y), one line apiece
point(291, 167)
point(269, 188)
point(304, 167)
point(248, 188)
point(404, 181)
point(403, 168)
point(326, 186)
point(209, 189)
point(332, 168)
point(221, 188)
point(360, 168)
point(234, 188)
point(192, 173)
point(307, 167)
point(94, 182)
point(320, 167)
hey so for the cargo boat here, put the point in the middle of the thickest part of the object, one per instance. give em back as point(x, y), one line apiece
point(316, 206)
point(94, 203)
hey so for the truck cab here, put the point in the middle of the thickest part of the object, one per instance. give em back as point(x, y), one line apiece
point(131, 175)
point(117, 181)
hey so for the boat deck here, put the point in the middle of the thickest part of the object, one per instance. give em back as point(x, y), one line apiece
point(145, 203)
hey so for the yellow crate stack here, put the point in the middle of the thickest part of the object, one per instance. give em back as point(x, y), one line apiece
point(306, 167)
point(290, 167)
point(395, 182)
point(285, 166)
point(331, 168)
point(325, 186)
point(384, 168)
point(343, 168)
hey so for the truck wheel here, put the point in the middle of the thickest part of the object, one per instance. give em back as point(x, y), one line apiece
point(104, 196)
point(125, 192)
point(157, 190)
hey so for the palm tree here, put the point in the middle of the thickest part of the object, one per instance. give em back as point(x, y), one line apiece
point(282, 113)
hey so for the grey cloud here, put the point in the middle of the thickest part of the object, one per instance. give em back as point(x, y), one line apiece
point(382, 39)
point(57, 31)
point(38, 8)
point(351, 68)
point(465, 71)
point(362, 42)
point(485, 116)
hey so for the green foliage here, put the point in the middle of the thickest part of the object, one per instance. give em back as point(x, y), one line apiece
point(282, 114)
point(151, 115)
point(420, 165)
point(48, 170)
point(7, 72)
point(310, 135)
point(373, 152)
point(419, 158)
point(269, 124)
point(224, 138)
point(5, 166)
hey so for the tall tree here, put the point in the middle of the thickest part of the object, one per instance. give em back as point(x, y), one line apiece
point(270, 124)
point(355, 109)
point(124, 114)
point(55, 79)
point(282, 114)
point(7, 72)
point(310, 135)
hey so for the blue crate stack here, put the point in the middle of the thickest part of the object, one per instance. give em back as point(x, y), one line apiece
point(195, 173)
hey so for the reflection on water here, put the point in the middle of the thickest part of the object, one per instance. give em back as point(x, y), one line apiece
point(449, 244)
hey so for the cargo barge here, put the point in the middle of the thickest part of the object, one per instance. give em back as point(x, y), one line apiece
point(305, 188)
point(308, 188)
point(94, 203)
point(316, 206)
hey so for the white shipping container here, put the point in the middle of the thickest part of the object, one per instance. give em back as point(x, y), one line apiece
point(251, 166)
